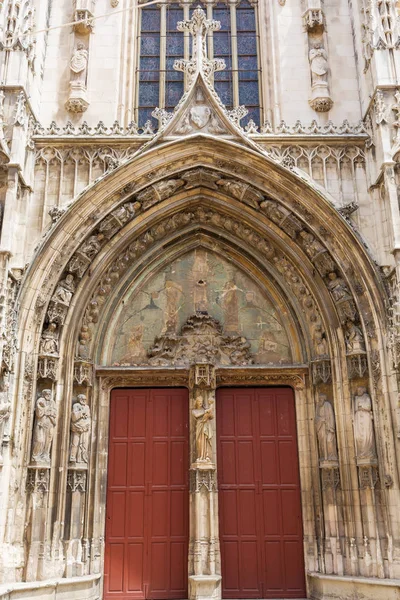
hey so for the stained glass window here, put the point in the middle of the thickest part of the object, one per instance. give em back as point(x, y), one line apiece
point(160, 44)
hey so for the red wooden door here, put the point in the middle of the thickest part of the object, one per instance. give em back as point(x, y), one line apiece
point(259, 494)
point(147, 524)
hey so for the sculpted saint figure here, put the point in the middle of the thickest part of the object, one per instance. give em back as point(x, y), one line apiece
point(326, 429)
point(204, 429)
point(337, 287)
point(78, 63)
point(318, 58)
point(363, 425)
point(5, 409)
point(65, 290)
point(354, 338)
point(80, 431)
point(43, 430)
point(49, 341)
point(92, 245)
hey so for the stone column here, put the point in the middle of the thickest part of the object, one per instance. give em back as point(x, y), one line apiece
point(204, 553)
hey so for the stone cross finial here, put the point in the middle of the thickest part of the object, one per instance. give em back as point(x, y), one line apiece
point(198, 26)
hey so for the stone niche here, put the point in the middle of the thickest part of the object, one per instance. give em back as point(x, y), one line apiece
point(197, 285)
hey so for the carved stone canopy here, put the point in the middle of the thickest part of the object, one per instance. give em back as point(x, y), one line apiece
point(201, 340)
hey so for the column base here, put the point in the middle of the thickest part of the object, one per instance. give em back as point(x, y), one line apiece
point(204, 587)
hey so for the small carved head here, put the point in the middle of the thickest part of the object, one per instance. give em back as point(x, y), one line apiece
point(47, 394)
point(361, 390)
point(332, 276)
point(198, 402)
point(322, 398)
point(81, 398)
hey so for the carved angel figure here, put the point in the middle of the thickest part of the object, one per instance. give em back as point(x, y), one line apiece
point(204, 429)
point(363, 425)
point(80, 431)
point(326, 429)
point(43, 430)
point(49, 341)
point(65, 290)
point(318, 58)
point(78, 63)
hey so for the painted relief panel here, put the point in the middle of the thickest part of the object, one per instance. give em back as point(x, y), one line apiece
point(204, 283)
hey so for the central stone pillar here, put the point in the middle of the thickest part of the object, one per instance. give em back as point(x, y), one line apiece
point(204, 553)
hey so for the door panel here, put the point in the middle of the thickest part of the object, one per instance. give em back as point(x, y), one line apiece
point(259, 494)
point(147, 525)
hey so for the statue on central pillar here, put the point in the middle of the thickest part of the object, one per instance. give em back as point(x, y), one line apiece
point(204, 429)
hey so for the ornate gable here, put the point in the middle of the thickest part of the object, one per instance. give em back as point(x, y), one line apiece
point(200, 110)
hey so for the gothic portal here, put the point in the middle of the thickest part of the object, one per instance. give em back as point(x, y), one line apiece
point(199, 307)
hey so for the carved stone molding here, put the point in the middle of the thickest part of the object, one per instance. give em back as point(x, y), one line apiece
point(76, 480)
point(291, 376)
point(203, 479)
point(111, 377)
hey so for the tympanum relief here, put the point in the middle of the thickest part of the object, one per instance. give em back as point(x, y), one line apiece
point(200, 305)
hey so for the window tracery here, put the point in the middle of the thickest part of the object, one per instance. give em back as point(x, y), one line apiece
point(160, 44)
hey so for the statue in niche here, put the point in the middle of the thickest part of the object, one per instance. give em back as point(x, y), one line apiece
point(49, 341)
point(92, 245)
point(173, 293)
point(311, 246)
point(337, 287)
point(43, 430)
point(326, 429)
point(318, 58)
point(5, 410)
point(230, 306)
point(65, 290)
point(354, 339)
point(363, 426)
point(78, 63)
point(321, 343)
point(204, 429)
point(80, 431)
